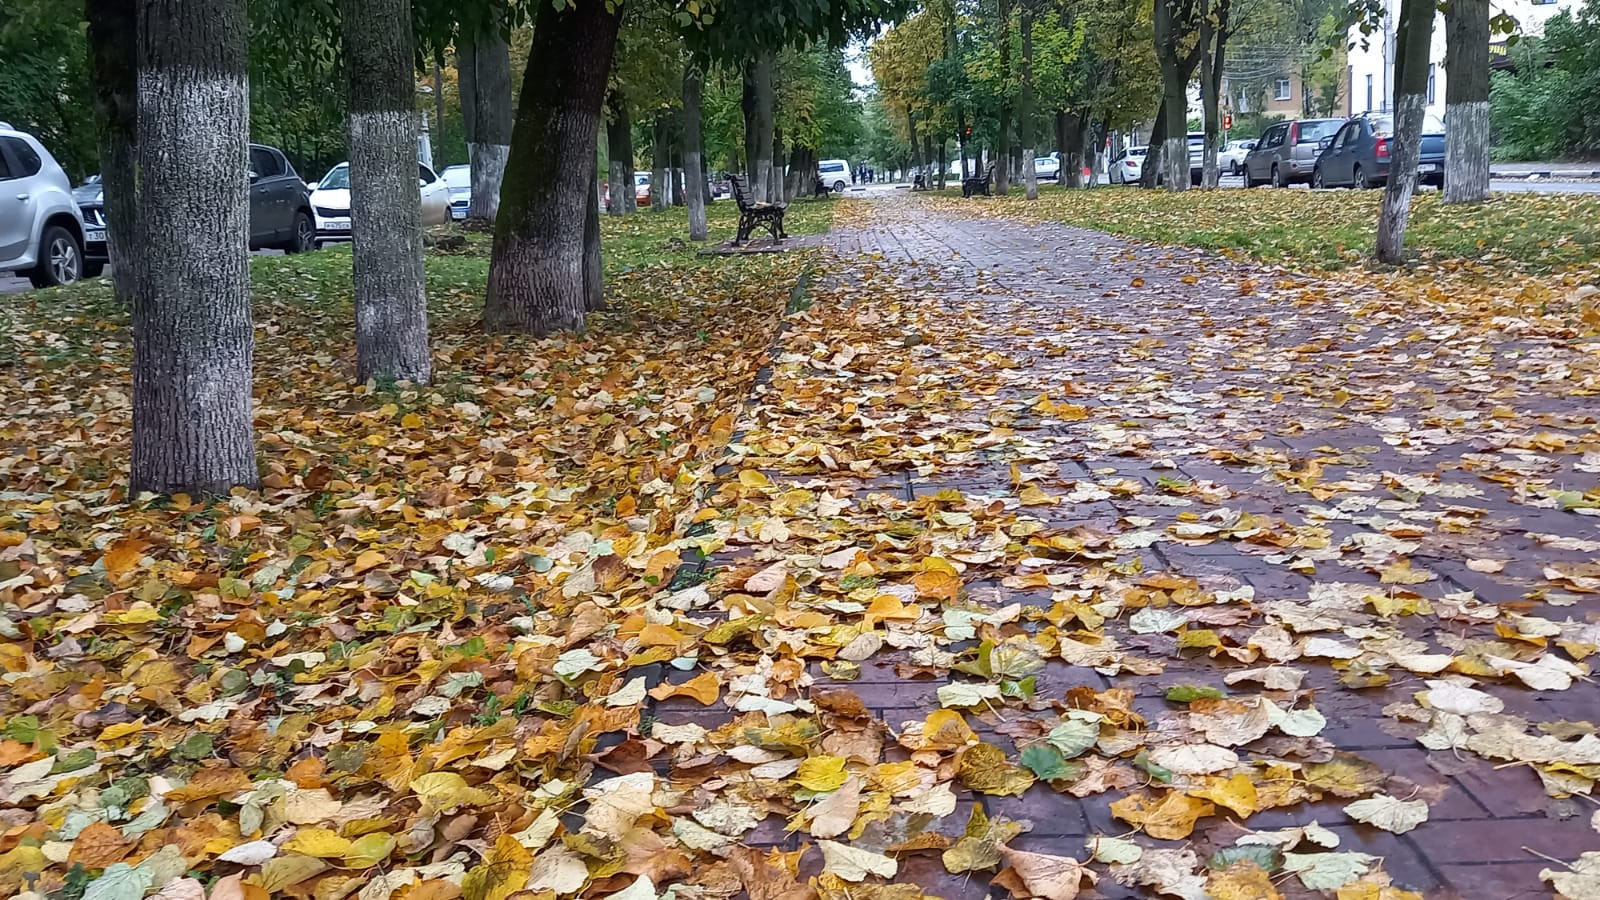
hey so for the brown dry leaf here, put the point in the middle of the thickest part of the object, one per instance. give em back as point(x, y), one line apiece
point(1241, 881)
point(770, 875)
point(98, 846)
point(703, 688)
point(1047, 877)
point(1170, 816)
point(835, 813)
point(984, 769)
point(208, 784)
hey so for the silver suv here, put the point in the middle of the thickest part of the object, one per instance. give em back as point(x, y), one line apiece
point(41, 229)
point(1287, 152)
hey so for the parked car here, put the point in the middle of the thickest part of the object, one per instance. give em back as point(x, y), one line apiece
point(1287, 152)
point(834, 174)
point(1358, 154)
point(641, 188)
point(1047, 168)
point(41, 229)
point(1129, 165)
point(280, 209)
point(1197, 156)
point(330, 202)
point(720, 187)
point(1231, 158)
point(458, 179)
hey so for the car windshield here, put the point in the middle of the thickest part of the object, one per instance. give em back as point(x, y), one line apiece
point(1317, 129)
point(1383, 126)
point(1139, 151)
point(337, 179)
point(457, 176)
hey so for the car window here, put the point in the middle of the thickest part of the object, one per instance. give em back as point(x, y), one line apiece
point(1315, 130)
point(265, 163)
point(5, 169)
point(1139, 151)
point(28, 162)
point(337, 179)
point(425, 174)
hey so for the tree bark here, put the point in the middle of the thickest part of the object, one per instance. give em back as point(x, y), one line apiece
point(916, 146)
point(1002, 169)
point(1413, 36)
point(1156, 148)
point(1030, 175)
point(536, 280)
point(193, 342)
point(1213, 56)
point(759, 125)
point(660, 164)
point(694, 182)
point(619, 147)
point(1174, 163)
point(1466, 97)
point(961, 141)
point(113, 67)
point(594, 286)
point(385, 210)
point(483, 65)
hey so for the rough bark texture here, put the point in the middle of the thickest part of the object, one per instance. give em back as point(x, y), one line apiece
point(759, 125)
point(385, 210)
point(619, 147)
point(1002, 169)
point(1174, 163)
point(594, 285)
point(1466, 96)
point(660, 163)
point(1214, 30)
point(1152, 159)
point(193, 343)
point(484, 68)
point(113, 71)
point(1410, 105)
point(536, 270)
point(694, 184)
point(1030, 175)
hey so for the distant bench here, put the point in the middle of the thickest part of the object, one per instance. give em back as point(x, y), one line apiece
point(753, 215)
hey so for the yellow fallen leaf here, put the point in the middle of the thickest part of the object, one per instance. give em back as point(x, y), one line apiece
point(1170, 817)
point(704, 688)
point(822, 773)
point(368, 559)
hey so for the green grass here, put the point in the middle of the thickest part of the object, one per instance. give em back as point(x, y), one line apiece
point(1514, 233)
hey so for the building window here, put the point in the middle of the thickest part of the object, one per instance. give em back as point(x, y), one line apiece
point(1433, 71)
point(1369, 92)
point(1280, 89)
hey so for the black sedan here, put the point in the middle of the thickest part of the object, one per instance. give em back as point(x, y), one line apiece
point(1358, 155)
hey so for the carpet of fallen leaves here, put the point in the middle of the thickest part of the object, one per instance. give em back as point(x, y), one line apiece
point(383, 668)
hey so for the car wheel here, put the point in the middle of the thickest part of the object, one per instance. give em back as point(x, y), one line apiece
point(1360, 178)
point(304, 236)
point(1316, 179)
point(838, 187)
point(61, 259)
point(1277, 177)
point(1233, 169)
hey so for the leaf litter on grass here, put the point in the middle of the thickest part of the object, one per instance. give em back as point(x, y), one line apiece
point(389, 674)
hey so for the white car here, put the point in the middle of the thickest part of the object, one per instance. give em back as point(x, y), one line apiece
point(1231, 157)
point(459, 180)
point(1127, 167)
point(41, 228)
point(834, 174)
point(330, 202)
point(1047, 168)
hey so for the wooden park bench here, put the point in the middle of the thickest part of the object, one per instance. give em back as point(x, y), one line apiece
point(754, 215)
point(974, 185)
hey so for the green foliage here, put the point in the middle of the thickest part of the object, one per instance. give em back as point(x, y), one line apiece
point(1545, 107)
point(44, 80)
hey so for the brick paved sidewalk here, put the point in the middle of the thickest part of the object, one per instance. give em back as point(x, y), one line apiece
point(1210, 426)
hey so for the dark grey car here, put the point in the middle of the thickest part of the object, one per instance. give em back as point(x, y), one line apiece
point(1359, 154)
point(280, 209)
point(1287, 152)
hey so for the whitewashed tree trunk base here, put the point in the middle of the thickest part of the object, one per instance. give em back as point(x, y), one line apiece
point(1466, 154)
point(488, 170)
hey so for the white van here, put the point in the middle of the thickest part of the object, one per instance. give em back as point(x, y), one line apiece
point(835, 173)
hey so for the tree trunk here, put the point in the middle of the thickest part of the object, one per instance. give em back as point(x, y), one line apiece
point(536, 282)
point(660, 164)
point(1071, 149)
point(1213, 56)
point(1030, 175)
point(1156, 148)
point(961, 141)
point(1002, 170)
point(113, 72)
point(1174, 165)
point(944, 161)
point(1466, 96)
point(594, 286)
point(385, 211)
point(619, 147)
point(694, 182)
point(484, 72)
point(916, 146)
point(193, 341)
point(1412, 38)
point(759, 125)
point(675, 154)
point(775, 173)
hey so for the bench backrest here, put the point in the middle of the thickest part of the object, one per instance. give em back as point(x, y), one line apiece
point(741, 191)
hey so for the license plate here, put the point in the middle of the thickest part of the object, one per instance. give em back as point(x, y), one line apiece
point(335, 224)
point(94, 235)
point(458, 214)
point(1434, 167)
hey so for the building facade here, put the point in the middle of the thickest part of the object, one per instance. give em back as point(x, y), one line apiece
point(1370, 75)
